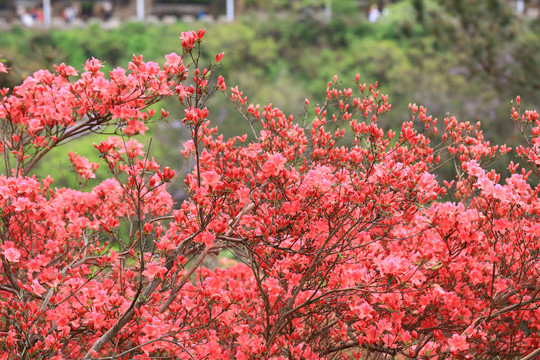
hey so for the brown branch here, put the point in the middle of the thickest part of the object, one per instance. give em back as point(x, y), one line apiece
point(533, 355)
point(185, 278)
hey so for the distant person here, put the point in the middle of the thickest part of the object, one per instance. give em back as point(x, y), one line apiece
point(107, 8)
point(26, 18)
point(374, 13)
point(69, 14)
point(201, 15)
point(37, 15)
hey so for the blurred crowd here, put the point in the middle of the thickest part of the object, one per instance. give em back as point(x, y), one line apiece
point(111, 12)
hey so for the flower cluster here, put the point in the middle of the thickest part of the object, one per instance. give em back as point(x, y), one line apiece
point(335, 237)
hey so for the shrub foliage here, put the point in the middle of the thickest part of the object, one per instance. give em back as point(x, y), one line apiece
point(339, 251)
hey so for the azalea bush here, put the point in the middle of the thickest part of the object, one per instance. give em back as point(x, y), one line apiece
point(344, 244)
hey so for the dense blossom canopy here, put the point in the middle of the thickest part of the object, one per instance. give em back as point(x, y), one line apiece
point(345, 243)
